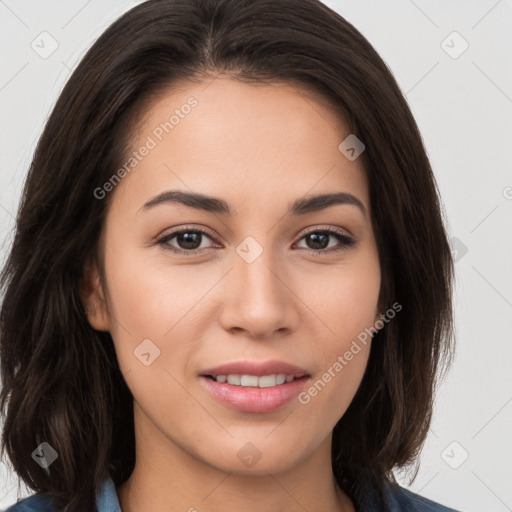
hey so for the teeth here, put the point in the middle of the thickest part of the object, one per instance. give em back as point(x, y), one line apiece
point(265, 381)
point(248, 380)
point(281, 378)
point(235, 380)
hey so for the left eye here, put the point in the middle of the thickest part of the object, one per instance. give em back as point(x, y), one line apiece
point(318, 237)
point(190, 241)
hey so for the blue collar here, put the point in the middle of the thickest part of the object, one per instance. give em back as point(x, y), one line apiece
point(400, 499)
point(108, 500)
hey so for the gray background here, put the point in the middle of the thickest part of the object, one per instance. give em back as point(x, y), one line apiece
point(463, 105)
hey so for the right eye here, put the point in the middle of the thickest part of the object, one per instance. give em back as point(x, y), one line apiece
point(189, 238)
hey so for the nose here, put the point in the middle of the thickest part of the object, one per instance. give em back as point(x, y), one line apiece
point(258, 297)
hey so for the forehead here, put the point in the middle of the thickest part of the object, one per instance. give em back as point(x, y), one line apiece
point(245, 143)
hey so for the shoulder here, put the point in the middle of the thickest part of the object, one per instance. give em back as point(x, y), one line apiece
point(36, 503)
point(404, 500)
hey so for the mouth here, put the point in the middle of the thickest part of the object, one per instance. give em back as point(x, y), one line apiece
point(253, 369)
point(254, 387)
point(254, 381)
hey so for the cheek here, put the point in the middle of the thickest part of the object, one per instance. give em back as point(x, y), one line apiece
point(154, 300)
point(330, 392)
point(345, 300)
point(328, 395)
point(346, 304)
point(152, 296)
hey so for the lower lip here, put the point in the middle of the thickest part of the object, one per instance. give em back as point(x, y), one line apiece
point(252, 399)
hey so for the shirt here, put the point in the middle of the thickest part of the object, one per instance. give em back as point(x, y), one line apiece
point(401, 500)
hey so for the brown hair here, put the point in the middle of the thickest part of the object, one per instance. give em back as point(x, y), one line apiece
point(61, 382)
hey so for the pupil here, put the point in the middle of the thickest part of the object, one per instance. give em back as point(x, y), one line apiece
point(190, 240)
point(316, 236)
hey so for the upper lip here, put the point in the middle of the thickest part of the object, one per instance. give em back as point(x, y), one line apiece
point(255, 368)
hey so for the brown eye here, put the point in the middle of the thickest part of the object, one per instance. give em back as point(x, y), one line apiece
point(318, 241)
point(188, 241)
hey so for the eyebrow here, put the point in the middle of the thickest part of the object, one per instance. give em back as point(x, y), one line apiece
point(215, 205)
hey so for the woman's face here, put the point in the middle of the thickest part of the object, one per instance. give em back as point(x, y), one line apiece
point(250, 290)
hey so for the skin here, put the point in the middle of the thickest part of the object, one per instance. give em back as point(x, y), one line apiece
point(258, 147)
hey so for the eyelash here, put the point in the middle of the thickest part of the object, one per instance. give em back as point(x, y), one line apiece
point(346, 241)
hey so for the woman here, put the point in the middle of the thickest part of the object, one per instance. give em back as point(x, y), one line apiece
point(230, 284)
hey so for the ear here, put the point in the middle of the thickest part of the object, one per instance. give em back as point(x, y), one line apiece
point(93, 298)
